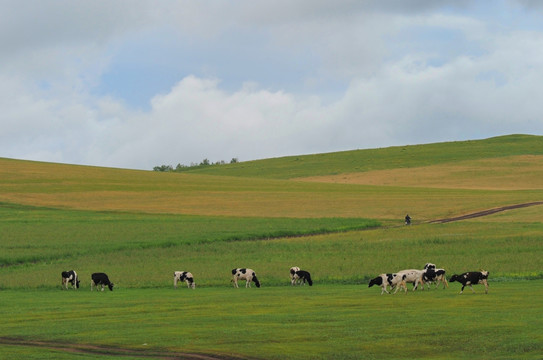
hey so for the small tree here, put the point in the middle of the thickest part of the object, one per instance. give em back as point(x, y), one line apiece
point(163, 168)
point(234, 160)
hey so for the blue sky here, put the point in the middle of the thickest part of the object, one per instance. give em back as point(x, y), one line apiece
point(135, 84)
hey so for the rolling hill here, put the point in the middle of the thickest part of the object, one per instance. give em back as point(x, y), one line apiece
point(338, 215)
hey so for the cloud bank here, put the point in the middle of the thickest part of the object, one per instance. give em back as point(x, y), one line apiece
point(138, 84)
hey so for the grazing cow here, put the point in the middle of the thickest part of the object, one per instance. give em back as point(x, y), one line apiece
point(431, 274)
point(183, 276)
point(413, 276)
point(303, 276)
point(472, 278)
point(244, 274)
point(392, 280)
point(293, 270)
point(70, 277)
point(101, 279)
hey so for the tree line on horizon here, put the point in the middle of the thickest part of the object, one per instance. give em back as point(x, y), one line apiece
point(182, 167)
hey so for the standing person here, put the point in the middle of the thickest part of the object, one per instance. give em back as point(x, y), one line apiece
point(407, 220)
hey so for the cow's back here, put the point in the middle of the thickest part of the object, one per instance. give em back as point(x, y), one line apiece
point(100, 278)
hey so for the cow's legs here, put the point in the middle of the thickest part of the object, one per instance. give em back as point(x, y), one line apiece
point(486, 285)
point(399, 287)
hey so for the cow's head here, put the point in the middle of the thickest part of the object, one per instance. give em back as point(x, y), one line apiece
point(110, 286)
point(377, 281)
point(429, 266)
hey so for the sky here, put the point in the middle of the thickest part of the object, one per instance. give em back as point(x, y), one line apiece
point(141, 83)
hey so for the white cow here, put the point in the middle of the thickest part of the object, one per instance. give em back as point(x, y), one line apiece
point(183, 276)
point(293, 277)
point(70, 277)
point(413, 276)
point(244, 274)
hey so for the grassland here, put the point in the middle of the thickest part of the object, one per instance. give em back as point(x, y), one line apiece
point(338, 215)
point(327, 322)
point(396, 157)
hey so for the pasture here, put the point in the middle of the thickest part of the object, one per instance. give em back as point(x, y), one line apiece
point(342, 220)
point(326, 321)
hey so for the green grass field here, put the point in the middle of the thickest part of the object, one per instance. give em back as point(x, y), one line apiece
point(326, 321)
point(337, 215)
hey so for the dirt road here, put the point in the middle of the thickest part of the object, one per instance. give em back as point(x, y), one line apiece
point(485, 212)
point(109, 351)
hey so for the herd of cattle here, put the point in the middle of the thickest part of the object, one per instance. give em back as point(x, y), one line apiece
point(396, 281)
point(430, 274)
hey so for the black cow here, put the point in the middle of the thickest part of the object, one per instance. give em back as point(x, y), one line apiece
point(101, 279)
point(472, 278)
point(432, 275)
point(70, 277)
point(303, 276)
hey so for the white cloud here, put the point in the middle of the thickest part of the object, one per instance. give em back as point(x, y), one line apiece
point(198, 120)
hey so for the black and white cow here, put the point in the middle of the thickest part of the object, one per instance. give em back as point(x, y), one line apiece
point(392, 280)
point(244, 274)
point(302, 276)
point(101, 279)
point(472, 278)
point(433, 275)
point(183, 276)
point(70, 277)
point(293, 270)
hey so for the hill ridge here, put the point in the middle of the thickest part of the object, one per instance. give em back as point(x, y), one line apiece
point(362, 160)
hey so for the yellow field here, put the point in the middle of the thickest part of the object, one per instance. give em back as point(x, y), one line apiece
point(426, 192)
point(508, 173)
